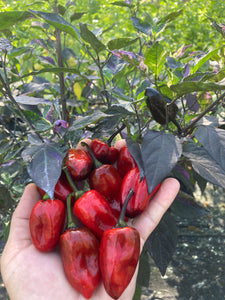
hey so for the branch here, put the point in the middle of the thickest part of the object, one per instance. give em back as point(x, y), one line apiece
point(190, 127)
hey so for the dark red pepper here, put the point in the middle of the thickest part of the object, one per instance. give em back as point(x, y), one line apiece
point(140, 200)
point(100, 150)
point(62, 188)
point(94, 212)
point(79, 163)
point(104, 153)
point(119, 255)
point(46, 223)
point(79, 249)
point(125, 161)
point(107, 181)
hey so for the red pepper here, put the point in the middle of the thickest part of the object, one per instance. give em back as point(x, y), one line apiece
point(139, 201)
point(107, 181)
point(113, 155)
point(79, 249)
point(104, 153)
point(94, 212)
point(119, 255)
point(62, 188)
point(79, 163)
point(100, 150)
point(125, 161)
point(46, 223)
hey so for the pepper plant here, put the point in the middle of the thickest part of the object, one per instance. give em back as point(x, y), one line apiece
point(70, 80)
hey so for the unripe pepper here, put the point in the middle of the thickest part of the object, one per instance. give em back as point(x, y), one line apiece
point(79, 249)
point(79, 163)
point(46, 223)
point(119, 255)
point(107, 181)
point(140, 200)
point(94, 212)
point(125, 161)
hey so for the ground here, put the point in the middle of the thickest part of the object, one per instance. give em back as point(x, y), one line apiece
point(197, 270)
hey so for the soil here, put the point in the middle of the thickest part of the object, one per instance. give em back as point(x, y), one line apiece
point(197, 270)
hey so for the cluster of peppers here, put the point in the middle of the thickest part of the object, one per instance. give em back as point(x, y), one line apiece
point(101, 185)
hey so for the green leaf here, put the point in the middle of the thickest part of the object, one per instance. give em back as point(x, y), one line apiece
point(160, 153)
point(89, 37)
point(5, 197)
point(142, 26)
point(82, 122)
point(122, 3)
point(144, 269)
point(58, 22)
point(155, 58)
point(161, 243)
point(18, 51)
point(120, 43)
point(9, 18)
point(54, 70)
point(76, 16)
point(186, 87)
point(204, 164)
point(40, 124)
point(170, 17)
point(202, 60)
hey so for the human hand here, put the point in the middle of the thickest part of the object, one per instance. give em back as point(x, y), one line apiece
point(29, 274)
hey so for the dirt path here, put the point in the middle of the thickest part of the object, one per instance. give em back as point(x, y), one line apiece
point(197, 271)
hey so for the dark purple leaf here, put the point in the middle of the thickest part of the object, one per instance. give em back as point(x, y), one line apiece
point(192, 102)
point(44, 165)
point(186, 207)
point(160, 153)
point(162, 242)
point(204, 164)
point(135, 151)
point(213, 140)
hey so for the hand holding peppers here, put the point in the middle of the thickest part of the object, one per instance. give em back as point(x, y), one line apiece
point(20, 263)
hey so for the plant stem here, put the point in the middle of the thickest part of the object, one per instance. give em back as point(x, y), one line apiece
point(190, 127)
point(121, 222)
point(7, 93)
point(60, 64)
point(70, 222)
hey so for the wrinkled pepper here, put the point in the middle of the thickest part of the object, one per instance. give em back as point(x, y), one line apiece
point(94, 212)
point(79, 163)
point(125, 161)
point(140, 200)
point(79, 249)
point(46, 223)
point(119, 255)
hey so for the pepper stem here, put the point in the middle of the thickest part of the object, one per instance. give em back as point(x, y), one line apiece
point(121, 222)
point(70, 222)
point(96, 163)
point(77, 193)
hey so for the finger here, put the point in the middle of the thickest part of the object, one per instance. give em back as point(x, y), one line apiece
point(150, 218)
point(19, 224)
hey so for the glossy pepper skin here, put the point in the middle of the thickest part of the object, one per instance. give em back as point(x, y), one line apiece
point(125, 161)
point(104, 153)
point(94, 212)
point(46, 223)
point(107, 181)
point(79, 163)
point(119, 255)
point(62, 188)
point(140, 200)
point(79, 250)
